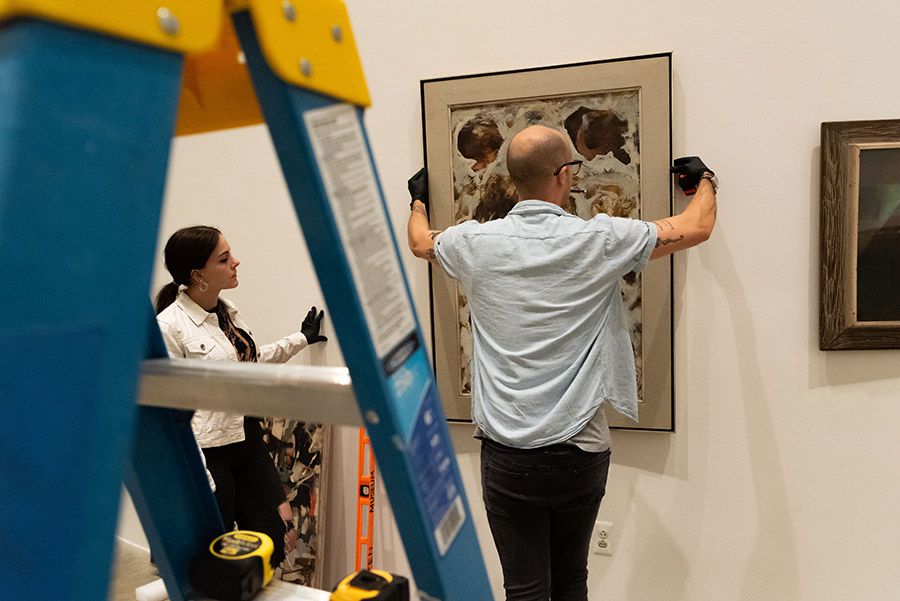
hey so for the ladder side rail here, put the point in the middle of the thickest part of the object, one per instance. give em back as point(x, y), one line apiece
point(168, 484)
point(86, 123)
point(395, 386)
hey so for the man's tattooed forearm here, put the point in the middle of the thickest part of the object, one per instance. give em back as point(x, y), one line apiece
point(664, 241)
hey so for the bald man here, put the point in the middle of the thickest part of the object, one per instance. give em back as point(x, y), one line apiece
point(550, 347)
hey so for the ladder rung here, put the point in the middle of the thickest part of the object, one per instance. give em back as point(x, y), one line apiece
point(308, 393)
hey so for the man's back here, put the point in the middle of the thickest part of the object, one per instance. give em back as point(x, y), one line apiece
point(550, 339)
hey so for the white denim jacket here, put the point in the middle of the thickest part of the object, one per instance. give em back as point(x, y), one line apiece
point(190, 332)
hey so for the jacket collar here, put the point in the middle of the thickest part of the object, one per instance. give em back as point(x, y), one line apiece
point(195, 312)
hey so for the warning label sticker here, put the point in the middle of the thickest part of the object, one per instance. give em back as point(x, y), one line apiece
point(340, 148)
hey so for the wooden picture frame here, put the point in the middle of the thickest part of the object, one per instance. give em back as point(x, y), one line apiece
point(859, 236)
point(618, 115)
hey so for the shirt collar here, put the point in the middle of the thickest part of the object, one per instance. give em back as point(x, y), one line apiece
point(536, 207)
point(197, 313)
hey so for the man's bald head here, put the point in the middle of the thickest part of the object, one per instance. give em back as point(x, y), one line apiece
point(533, 155)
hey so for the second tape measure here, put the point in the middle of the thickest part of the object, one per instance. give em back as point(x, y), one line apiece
point(234, 567)
point(375, 585)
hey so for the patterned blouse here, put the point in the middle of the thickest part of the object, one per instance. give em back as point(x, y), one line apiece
point(242, 341)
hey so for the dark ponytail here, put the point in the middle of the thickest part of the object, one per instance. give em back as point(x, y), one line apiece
point(187, 249)
point(166, 296)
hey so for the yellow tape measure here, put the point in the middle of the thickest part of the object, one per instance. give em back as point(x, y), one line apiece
point(234, 567)
point(375, 585)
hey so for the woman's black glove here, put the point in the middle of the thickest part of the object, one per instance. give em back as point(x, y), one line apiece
point(310, 327)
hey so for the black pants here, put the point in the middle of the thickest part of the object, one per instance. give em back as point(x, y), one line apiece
point(541, 506)
point(248, 489)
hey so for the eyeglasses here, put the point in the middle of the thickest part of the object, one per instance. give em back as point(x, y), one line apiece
point(576, 167)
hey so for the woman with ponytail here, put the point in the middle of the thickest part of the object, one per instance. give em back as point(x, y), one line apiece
point(197, 324)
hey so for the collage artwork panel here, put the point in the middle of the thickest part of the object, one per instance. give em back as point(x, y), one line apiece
point(297, 450)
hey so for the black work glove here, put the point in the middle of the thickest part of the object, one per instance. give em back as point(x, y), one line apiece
point(418, 188)
point(690, 171)
point(310, 326)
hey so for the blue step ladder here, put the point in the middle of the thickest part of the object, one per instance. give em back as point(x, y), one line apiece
point(89, 98)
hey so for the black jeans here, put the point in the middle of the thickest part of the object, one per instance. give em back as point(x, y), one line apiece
point(248, 488)
point(541, 506)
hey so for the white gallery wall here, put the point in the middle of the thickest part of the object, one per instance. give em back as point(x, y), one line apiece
point(779, 482)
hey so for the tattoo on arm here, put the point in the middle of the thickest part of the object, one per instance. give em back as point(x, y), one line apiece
point(419, 209)
point(665, 241)
point(434, 233)
point(430, 253)
point(663, 224)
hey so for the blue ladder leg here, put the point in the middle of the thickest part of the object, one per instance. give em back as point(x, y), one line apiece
point(327, 164)
point(168, 485)
point(86, 123)
point(171, 494)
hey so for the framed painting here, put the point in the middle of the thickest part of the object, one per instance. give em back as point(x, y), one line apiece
point(859, 235)
point(617, 115)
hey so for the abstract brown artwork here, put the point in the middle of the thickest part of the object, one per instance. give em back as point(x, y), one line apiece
point(603, 129)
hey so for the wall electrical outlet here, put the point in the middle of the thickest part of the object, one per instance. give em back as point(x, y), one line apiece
point(601, 539)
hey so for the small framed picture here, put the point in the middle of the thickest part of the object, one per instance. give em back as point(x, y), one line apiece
point(859, 235)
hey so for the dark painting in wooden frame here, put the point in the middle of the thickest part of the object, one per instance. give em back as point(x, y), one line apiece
point(859, 235)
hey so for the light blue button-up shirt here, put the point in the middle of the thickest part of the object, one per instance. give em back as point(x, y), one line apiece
point(550, 340)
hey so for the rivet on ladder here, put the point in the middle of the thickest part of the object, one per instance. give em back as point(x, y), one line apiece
point(289, 11)
point(305, 67)
point(167, 21)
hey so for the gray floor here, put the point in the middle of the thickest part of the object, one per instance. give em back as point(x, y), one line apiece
point(131, 569)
